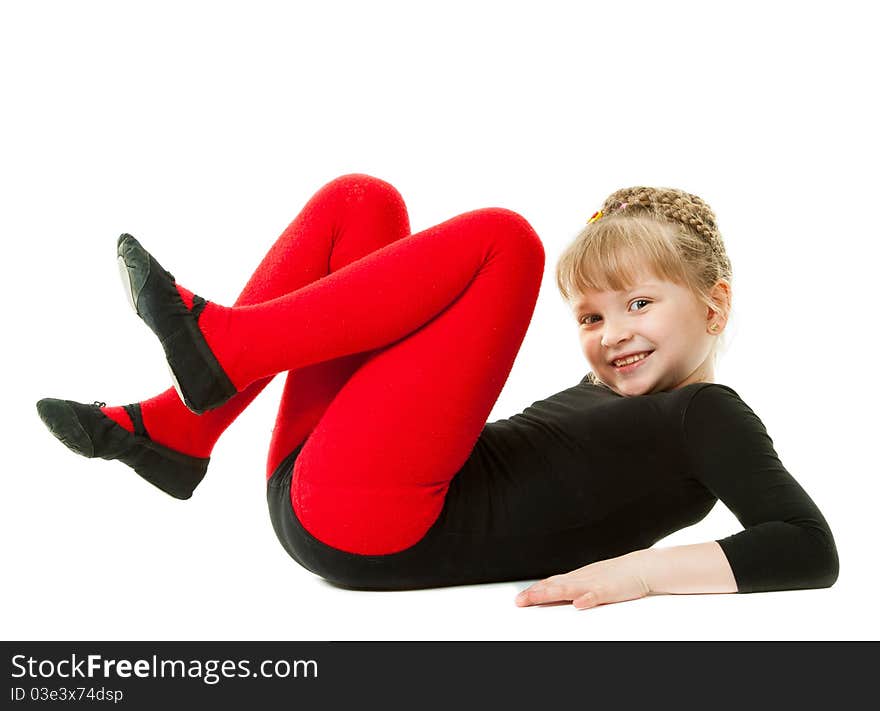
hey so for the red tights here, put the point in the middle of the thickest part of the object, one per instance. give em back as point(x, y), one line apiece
point(396, 347)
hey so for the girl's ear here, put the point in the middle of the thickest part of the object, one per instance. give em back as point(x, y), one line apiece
point(722, 295)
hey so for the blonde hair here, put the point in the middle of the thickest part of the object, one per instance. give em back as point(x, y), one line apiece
point(671, 232)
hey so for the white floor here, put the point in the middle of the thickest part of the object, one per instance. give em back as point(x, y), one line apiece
point(207, 149)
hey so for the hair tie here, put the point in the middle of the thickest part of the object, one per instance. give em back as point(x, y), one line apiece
point(598, 215)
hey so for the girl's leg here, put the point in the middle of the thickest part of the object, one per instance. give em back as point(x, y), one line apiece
point(345, 220)
point(440, 316)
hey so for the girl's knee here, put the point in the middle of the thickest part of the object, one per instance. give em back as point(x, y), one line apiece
point(516, 232)
point(360, 189)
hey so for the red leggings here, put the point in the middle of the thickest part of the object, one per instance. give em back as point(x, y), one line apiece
point(396, 347)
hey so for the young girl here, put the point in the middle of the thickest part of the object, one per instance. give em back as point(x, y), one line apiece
point(383, 472)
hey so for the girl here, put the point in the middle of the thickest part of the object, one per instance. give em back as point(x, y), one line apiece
point(383, 472)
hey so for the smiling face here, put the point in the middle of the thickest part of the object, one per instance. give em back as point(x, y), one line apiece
point(655, 315)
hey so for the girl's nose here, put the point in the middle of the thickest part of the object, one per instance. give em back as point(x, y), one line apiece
point(614, 334)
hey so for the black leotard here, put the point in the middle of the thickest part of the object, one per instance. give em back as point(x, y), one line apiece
point(586, 475)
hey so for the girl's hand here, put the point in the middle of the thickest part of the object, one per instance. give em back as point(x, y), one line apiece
point(600, 583)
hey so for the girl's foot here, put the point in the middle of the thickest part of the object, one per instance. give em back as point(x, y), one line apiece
point(198, 377)
point(89, 432)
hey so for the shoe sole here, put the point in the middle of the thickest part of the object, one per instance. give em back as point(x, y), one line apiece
point(63, 423)
point(173, 472)
point(125, 275)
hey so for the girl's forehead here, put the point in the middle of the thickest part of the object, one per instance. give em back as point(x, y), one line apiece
point(645, 281)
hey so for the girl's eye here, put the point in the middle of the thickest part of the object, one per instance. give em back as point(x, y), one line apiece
point(586, 320)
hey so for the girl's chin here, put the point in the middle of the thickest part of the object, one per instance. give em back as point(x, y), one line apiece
point(634, 385)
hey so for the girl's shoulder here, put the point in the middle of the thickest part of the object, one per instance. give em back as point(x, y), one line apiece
point(678, 399)
point(673, 408)
point(707, 407)
point(710, 391)
point(714, 403)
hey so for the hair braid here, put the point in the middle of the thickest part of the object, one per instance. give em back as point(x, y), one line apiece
point(674, 205)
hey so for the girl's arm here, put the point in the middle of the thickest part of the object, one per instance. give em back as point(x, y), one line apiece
point(684, 570)
point(786, 543)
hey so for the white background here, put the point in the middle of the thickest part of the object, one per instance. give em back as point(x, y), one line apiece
point(203, 128)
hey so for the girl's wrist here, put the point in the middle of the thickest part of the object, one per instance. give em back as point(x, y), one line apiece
point(685, 570)
point(647, 563)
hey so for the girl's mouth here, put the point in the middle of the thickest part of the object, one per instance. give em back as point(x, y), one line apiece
point(632, 366)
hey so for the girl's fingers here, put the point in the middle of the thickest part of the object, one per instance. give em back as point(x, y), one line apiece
point(585, 601)
point(539, 594)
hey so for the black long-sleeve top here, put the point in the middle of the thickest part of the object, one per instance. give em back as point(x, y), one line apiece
point(659, 462)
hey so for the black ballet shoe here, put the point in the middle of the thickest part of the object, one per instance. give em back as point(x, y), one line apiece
point(86, 430)
point(198, 377)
